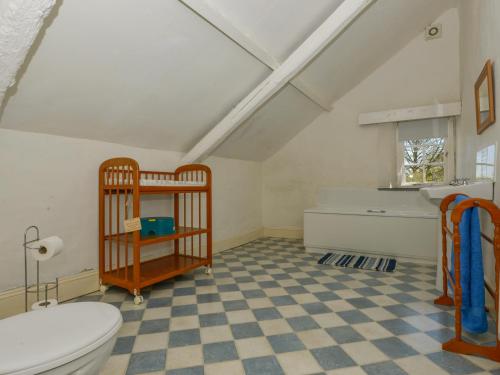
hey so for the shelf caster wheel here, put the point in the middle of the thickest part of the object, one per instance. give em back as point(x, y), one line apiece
point(103, 288)
point(208, 270)
point(138, 300)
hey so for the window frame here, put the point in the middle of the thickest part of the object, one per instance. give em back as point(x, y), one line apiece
point(448, 161)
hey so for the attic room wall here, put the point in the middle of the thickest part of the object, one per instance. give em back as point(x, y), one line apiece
point(478, 42)
point(479, 32)
point(335, 151)
point(51, 181)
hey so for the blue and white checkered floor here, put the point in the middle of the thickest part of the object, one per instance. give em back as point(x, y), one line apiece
point(269, 308)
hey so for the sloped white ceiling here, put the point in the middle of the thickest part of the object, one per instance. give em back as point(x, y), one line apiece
point(372, 39)
point(271, 127)
point(151, 73)
point(277, 26)
point(143, 73)
point(386, 27)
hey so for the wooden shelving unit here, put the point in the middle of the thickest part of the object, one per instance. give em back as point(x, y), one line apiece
point(121, 185)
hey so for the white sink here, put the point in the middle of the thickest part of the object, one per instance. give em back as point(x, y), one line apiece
point(477, 189)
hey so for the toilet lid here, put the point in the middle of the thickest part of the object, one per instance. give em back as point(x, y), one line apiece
point(44, 339)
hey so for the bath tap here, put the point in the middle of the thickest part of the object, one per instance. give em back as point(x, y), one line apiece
point(460, 181)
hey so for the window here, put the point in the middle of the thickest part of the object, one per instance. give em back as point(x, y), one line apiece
point(485, 162)
point(424, 161)
point(423, 151)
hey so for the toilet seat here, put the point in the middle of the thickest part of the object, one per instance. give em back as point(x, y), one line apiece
point(41, 340)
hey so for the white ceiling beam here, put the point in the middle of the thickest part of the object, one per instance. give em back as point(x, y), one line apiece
point(332, 27)
point(225, 26)
point(409, 114)
point(20, 23)
point(305, 88)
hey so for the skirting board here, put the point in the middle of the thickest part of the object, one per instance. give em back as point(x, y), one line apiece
point(74, 286)
point(296, 233)
point(12, 301)
point(219, 246)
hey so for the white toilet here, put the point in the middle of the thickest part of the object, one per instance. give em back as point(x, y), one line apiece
point(74, 338)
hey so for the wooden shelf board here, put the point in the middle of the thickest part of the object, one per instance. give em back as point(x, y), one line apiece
point(181, 232)
point(163, 268)
point(155, 270)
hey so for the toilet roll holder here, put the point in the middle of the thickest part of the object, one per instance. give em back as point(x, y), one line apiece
point(37, 288)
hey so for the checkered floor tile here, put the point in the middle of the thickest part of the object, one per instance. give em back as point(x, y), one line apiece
point(269, 308)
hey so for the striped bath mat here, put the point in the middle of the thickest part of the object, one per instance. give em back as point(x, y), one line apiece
point(359, 261)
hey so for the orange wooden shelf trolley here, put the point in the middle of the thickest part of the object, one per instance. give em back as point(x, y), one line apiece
point(121, 186)
point(457, 344)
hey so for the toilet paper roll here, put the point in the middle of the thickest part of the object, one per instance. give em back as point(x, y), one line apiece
point(47, 248)
point(44, 304)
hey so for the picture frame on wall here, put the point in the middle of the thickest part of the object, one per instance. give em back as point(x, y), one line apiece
point(485, 98)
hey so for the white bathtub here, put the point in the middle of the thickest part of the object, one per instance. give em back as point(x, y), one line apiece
point(395, 223)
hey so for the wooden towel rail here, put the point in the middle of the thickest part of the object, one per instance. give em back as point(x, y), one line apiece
point(457, 344)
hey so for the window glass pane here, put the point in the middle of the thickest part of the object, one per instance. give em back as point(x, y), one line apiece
point(424, 160)
point(485, 162)
point(414, 174)
point(423, 151)
point(435, 173)
point(485, 171)
point(490, 159)
point(490, 172)
point(412, 153)
point(434, 150)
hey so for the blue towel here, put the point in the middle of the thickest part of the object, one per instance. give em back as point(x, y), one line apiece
point(471, 271)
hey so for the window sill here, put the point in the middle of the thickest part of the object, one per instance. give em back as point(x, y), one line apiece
point(400, 188)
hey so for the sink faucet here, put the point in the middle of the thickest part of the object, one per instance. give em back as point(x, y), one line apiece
point(460, 181)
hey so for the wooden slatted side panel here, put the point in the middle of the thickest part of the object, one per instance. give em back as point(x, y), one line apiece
point(118, 207)
point(156, 175)
point(118, 182)
point(194, 211)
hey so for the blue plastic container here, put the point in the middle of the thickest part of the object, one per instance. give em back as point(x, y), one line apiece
point(157, 226)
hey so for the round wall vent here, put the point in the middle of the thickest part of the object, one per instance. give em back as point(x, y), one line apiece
point(433, 31)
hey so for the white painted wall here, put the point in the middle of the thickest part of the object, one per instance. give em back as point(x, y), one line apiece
point(52, 181)
point(479, 36)
point(335, 151)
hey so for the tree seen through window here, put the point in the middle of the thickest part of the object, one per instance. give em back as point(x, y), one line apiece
point(424, 160)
